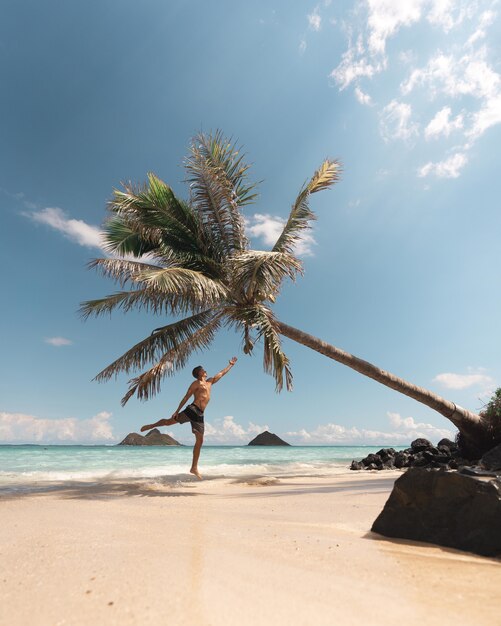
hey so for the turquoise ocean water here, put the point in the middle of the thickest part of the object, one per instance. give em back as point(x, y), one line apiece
point(25, 466)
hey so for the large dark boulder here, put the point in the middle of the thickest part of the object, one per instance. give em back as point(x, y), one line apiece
point(445, 508)
point(492, 459)
point(268, 439)
point(153, 438)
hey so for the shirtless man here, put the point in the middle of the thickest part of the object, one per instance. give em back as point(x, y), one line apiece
point(194, 412)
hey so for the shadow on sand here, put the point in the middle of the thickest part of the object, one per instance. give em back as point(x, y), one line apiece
point(280, 487)
point(174, 487)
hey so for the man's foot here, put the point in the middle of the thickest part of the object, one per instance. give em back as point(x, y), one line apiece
point(196, 473)
point(146, 427)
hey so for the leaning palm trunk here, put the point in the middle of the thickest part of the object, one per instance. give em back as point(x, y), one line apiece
point(192, 257)
point(469, 424)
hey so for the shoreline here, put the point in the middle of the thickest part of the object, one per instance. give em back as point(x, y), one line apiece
point(253, 551)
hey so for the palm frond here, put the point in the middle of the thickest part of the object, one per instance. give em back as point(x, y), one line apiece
point(122, 271)
point(301, 215)
point(150, 218)
point(147, 384)
point(217, 178)
point(260, 319)
point(188, 285)
point(257, 275)
point(161, 341)
point(171, 290)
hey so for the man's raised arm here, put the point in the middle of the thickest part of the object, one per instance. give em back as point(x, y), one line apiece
point(218, 376)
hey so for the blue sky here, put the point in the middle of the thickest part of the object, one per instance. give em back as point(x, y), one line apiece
point(402, 267)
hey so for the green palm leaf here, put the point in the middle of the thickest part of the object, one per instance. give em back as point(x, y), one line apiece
point(301, 215)
point(217, 178)
point(162, 340)
point(258, 274)
point(147, 384)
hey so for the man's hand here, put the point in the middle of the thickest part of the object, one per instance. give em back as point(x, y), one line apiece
point(233, 360)
point(174, 415)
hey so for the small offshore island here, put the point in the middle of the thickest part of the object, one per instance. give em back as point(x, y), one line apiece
point(268, 439)
point(153, 438)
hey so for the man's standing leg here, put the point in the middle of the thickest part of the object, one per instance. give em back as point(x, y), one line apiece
point(199, 439)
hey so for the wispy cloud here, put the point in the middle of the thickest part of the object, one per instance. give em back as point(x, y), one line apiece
point(314, 19)
point(460, 75)
point(21, 428)
point(58, 341)
point(448, 168)
point(442, 125)
point(76, 230)
point(395, 121)
point(362, 97)
point(475, 378)
point(268, 228)
point(404, 430)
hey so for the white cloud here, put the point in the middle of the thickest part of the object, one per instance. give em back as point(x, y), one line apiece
point(462, 69)
point(18, 427)
point(269, 228)
point(351, 69)
point(386, 17)
point(395, 122)
point(441, 14)
point(58, 341)
point(404, 431)
point(302, 46)
point(362, 97)
point(464, 381)
point(446, 74)
point(315, 20)
point(487, 116)
point(226, 430)
point(449, 168)
point(442, 125)
point(77, 230)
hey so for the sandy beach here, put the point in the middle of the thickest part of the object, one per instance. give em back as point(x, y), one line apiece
point(253, 551)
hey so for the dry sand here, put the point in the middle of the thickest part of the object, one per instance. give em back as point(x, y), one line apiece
point(289, 551)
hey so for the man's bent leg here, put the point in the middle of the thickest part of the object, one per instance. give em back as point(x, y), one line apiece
point(163, 422)
point(199, 439)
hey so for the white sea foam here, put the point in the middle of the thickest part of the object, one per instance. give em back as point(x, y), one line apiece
point(35, 466)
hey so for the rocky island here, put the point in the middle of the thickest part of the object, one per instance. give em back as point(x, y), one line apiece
point(267, 439)
point(153, 438)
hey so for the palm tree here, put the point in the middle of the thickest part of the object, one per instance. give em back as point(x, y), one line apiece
point(191, 258)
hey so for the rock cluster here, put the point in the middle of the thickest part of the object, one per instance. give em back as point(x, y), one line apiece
point(422, 453)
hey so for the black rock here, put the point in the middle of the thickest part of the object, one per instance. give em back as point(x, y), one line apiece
point(492, 459)
point(401, 459)
point(268, 439)
point(443, 449)
point(445, 508)
point(374, 459)
point(356, 465)
point(386, 453)
point(418, 445)
point(447, 442)
point(429, 453)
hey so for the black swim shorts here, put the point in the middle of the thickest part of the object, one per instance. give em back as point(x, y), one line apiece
point(192, 413)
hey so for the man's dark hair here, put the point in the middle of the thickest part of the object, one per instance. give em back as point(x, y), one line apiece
point(196, 371)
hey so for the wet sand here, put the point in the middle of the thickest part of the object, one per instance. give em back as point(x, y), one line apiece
point(256, 551)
